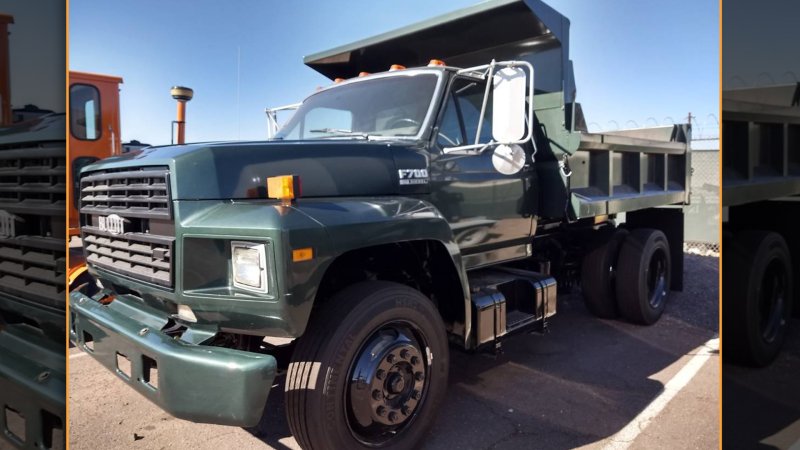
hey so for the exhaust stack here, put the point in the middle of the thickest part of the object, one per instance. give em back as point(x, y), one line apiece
point(182, 95)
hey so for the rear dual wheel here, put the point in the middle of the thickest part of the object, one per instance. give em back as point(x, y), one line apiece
point(598, 274)
point(628, 274)
point(643, 277)
point(758, 289)
point(370, 370)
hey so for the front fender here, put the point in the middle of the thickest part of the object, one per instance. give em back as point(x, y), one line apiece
point(357, 223)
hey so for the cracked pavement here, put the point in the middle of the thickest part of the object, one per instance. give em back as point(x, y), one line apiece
point(573, 388)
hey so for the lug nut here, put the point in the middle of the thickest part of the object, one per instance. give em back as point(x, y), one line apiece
point(417, 395)
point(380, 374)
point(390, 358)
point(404, 354)
point(381, 411)
point(414, 360)
point(392, 416)
point(377, 395)
point(419, 376)
point(405, 410)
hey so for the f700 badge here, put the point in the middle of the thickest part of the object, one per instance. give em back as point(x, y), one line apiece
point(113, 224)
point(413, 176)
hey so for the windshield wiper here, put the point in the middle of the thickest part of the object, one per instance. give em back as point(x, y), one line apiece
point(339, 131)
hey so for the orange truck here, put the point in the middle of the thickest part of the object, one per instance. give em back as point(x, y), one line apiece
point(94, 124)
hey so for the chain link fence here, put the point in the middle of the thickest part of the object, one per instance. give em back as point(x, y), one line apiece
point(701, 231)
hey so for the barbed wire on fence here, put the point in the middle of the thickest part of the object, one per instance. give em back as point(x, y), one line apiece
point(761, 79)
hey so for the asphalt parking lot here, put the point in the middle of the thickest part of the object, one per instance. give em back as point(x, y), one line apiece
point(589, 383)
point(762, 406)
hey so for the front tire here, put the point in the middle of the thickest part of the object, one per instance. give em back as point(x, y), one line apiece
point(370, 370)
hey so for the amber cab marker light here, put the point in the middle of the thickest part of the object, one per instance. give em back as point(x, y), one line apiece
point(363, 74)
point(302, 254)
point(284, 188)
point(338, 80)
point(396, 67)
point(436, 62)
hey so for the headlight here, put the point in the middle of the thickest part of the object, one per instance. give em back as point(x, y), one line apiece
point(249, 263)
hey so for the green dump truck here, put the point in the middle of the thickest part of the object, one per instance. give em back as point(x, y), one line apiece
point(398, 214)
point(32, 283)
point(761, 180)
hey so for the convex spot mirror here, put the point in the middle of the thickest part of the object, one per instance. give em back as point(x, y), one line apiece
point(508, 159)
point(508, 104)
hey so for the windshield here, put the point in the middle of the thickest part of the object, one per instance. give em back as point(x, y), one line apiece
point(386, 106)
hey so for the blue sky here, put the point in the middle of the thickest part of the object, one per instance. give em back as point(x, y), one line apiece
point(636, 62)
point(765, 24)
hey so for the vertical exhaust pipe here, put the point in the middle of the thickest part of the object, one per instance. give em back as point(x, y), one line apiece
point(5, 71)
point(182, 95)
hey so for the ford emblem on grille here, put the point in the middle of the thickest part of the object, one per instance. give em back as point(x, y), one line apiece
point(114, 224)
point(8, 224)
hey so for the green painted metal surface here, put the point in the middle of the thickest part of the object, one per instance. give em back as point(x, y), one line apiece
point(194, 382)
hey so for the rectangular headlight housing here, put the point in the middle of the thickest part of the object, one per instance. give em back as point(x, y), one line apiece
point(249, 266)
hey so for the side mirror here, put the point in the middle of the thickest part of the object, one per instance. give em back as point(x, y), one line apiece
point(508, 104)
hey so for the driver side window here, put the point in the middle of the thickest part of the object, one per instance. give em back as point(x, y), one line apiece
point(450, 132)
point(462, 112)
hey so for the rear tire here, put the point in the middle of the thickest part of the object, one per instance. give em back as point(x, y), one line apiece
point(598, 273)
point(643, 276)
point(370, 370)
point(758, 291)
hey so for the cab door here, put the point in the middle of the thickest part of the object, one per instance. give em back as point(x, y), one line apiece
point(491, 214)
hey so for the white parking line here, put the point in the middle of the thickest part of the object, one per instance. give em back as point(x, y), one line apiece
point(625, 437)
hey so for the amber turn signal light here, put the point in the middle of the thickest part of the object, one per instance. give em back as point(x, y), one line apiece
point(302, 254)
point(284, 188)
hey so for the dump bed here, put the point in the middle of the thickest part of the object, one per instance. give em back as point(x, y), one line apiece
point(627, 170)
point(506, 29)
point(761, 132)
point(611, 172)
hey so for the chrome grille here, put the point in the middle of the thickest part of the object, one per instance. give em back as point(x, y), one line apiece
point(139, 192)
point(136, 201)
point(138, 255)
point(33, 179)
point(32, 203)
point(33, 268)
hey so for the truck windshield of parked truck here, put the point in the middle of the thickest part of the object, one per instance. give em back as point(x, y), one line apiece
point(395, 105)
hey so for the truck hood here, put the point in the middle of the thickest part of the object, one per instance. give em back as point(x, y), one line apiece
point(327, 168)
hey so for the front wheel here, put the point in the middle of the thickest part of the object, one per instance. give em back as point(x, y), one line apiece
point(370, 370)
